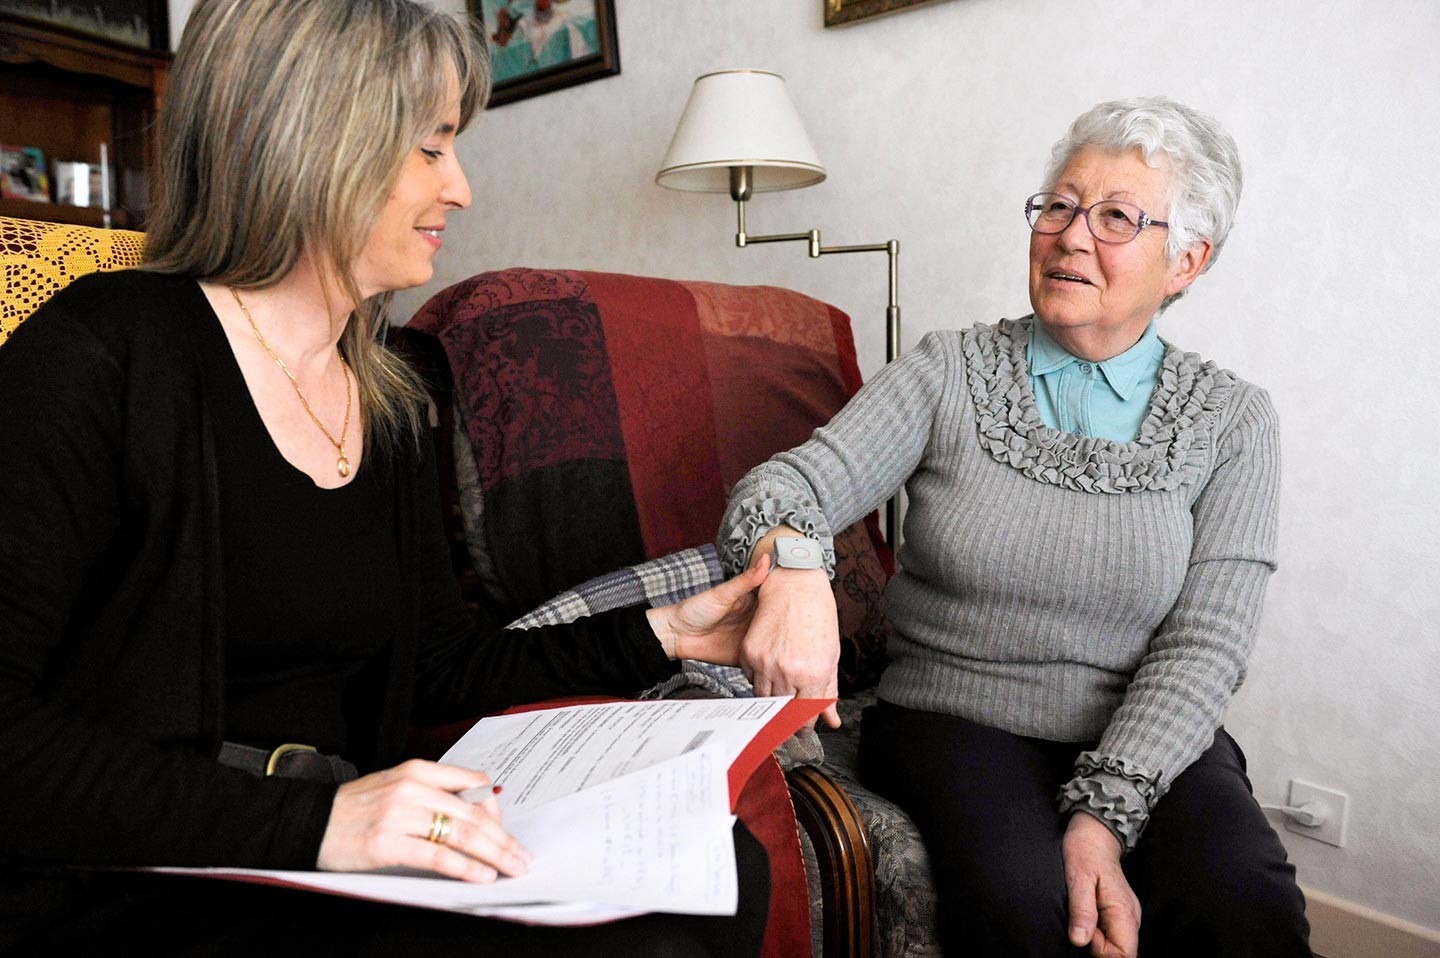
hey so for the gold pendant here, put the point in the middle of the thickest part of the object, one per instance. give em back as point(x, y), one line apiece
point(343, 466)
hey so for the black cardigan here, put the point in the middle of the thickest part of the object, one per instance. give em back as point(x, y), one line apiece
point(111, 606)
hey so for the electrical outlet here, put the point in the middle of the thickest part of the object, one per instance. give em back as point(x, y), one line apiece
point(1332, 830)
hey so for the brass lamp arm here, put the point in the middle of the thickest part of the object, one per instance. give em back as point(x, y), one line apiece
point(740, 190)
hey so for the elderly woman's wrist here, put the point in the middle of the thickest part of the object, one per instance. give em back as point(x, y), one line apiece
point(765, 545)
point(1117, 792)
point(761, 519)
point(1086, 819)
point(785, 579)
point(1124, 817)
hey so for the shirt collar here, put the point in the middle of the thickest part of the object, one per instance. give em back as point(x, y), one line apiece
point(1122, 372)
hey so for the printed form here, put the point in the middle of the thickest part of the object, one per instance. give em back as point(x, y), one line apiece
point(539, 756)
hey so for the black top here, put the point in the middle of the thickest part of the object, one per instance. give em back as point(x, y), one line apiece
point(113, 607)
point(311, 574)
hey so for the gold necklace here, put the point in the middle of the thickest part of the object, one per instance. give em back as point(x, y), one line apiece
point(343, 465)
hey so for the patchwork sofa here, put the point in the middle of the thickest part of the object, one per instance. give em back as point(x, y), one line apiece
point(587, 422)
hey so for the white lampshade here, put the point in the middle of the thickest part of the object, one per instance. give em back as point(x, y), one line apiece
point(740, 118)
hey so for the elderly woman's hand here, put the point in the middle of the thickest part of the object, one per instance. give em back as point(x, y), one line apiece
point(386, 820)
point(793, 646)
point(1104, 912)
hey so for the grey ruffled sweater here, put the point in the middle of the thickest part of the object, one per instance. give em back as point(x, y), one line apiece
point(1051, 585)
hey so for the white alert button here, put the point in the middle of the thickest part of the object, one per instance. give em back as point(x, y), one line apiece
point(798, 552)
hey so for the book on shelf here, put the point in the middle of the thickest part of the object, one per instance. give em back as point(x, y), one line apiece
point(627, 808)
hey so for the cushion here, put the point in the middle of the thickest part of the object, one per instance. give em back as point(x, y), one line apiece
point(40, 259)
point(596, 420)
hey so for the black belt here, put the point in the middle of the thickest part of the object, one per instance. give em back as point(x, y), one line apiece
point(288, 761)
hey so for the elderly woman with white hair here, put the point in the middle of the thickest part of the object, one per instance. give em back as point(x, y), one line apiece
point(1091, 526)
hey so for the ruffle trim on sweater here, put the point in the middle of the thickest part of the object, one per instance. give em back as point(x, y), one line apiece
point(1118, 792)
point(1171, 450)
point(760, 514)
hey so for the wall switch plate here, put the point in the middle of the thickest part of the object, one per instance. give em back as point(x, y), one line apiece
point(1332, 830)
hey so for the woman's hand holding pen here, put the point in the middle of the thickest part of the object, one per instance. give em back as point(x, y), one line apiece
point(412, 816)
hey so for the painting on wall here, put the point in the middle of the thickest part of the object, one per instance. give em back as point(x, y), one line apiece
point(136, 23)
point(537, 46)
point(844, 11)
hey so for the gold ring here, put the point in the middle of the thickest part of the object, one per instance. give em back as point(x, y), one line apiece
point(439, 828)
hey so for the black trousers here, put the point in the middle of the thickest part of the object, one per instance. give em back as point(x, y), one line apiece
point(145, 914)
point(1210, 872)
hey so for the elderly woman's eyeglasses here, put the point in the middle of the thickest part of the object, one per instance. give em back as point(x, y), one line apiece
point(1110, 221)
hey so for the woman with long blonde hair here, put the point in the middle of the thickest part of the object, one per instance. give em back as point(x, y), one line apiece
point(225, 534)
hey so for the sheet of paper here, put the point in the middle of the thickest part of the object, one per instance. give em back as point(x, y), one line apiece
point(539, 756)
point(660, 838)
point(655, 840)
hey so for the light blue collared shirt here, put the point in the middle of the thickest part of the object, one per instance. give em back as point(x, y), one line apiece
point(1107, 399)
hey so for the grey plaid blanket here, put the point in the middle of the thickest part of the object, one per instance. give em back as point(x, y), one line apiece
point(657, 582)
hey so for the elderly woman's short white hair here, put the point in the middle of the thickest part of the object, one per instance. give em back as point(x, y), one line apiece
point(1202, 159)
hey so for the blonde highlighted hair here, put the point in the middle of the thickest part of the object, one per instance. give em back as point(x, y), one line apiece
point(284, 129)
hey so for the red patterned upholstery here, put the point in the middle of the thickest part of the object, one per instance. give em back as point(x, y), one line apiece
point(608, 416)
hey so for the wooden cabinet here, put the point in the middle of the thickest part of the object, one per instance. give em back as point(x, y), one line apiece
point(67, 92)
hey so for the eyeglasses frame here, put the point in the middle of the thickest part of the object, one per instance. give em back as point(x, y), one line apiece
point(1143, 221)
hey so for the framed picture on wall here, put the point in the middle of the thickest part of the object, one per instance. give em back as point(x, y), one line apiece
point(135, 23)
point(844, 11)
point(537, 46)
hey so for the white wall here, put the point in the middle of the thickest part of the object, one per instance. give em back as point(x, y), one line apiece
point(937, 119)
point(179, 12)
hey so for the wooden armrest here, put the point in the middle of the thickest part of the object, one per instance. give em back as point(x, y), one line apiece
point(847, 871)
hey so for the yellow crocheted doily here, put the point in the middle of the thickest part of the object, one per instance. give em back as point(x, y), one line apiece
point(40, 259)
